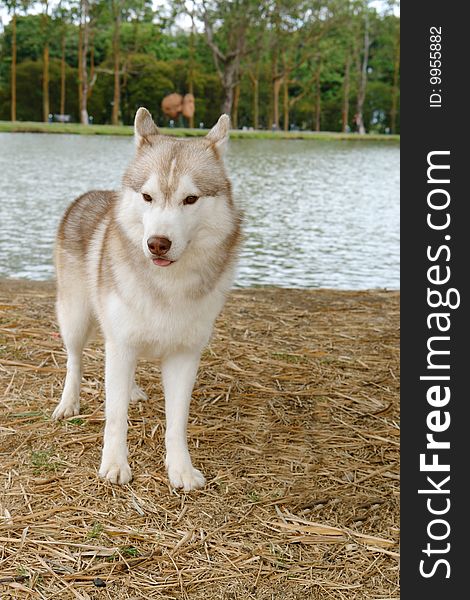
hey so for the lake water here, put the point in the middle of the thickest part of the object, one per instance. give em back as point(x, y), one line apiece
point(317, 213)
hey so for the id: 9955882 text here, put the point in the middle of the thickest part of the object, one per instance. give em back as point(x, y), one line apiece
point(435, 64)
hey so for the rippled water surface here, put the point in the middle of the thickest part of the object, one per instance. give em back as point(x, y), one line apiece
point(317, 214)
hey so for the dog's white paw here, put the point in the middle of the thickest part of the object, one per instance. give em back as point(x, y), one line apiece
point(137, 394)
point(185, 476)
point(115, 471)
point(67, 409)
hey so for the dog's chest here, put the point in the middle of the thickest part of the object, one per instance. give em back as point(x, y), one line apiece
point(158, 327)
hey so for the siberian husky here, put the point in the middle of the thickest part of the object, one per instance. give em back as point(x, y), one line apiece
point(151, 265)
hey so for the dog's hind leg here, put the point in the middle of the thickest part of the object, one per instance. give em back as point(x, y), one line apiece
point(178, 375)
point(76, 325)
point(137, 393)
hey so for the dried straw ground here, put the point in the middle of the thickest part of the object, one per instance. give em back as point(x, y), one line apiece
point(293, 421)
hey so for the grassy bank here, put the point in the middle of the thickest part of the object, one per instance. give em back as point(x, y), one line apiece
point(293, 422)
point(77, 128)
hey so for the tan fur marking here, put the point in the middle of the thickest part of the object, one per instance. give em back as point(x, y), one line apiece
point(172, 172)
point(220, 261)
point(81, 219)
point(105, 272)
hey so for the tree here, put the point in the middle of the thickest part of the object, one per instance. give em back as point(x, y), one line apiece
point(254, 73)
point(62, 14)
point(45, 30)
point(297, 28)
point(191, 59)
point(348, 45)
point(226, 27)
point(29, 84)
point(253, 63)
point(117, 13)
point(363, 63)
point(395, 84)
point(84, 83)
point(148, 82)
point(12, 7)
point(116, 10)
point(306, 62)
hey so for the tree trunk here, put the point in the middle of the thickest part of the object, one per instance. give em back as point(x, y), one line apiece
point(228, 101)
point(191, 66)
point(318, 97)
point(346, 88)
point(62, 74)
point(276, 80)
point(270, 117)
point(125, 109)
point(230, 62)
point(286, 101)
point(91, 79)
point(45, 62)
point(276, 89)
point(117, 58)
point(236, 100)
point(286, 72)
point(191, 91)
point(229, 82)
point(255, 83)
point(13, 67)
point(45, 84)
point(395, 88)
point(83, 65)
point(80, 70)
point(256, 104)
point(361, 95)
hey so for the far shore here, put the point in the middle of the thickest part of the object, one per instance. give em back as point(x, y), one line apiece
point(127, 130)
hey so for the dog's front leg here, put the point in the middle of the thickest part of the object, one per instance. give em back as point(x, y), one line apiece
point(120, 368)
point(178, 375)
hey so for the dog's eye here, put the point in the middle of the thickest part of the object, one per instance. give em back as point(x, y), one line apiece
point(190, 199)
point(147, 197)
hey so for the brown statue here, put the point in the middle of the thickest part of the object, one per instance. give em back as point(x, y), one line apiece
point(175, 104)
point(188, 106)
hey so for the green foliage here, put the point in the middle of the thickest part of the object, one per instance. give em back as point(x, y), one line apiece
point(148, 82)
point(42, 460)
point(129, 551)
point(302, 36)
point(95, 532)
point(29, 90)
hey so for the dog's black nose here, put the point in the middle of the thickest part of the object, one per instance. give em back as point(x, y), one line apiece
point(158, 245)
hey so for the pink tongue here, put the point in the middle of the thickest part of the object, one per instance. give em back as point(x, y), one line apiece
point(161, 262)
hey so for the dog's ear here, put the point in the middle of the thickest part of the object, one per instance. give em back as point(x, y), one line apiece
point(144, 127)
point(218, 135)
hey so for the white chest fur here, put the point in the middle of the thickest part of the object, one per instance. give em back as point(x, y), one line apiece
point(157, 322)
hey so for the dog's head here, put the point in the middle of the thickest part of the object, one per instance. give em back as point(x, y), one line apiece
point(177, 196)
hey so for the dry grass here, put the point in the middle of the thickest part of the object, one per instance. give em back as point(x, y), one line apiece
point(293, 421)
